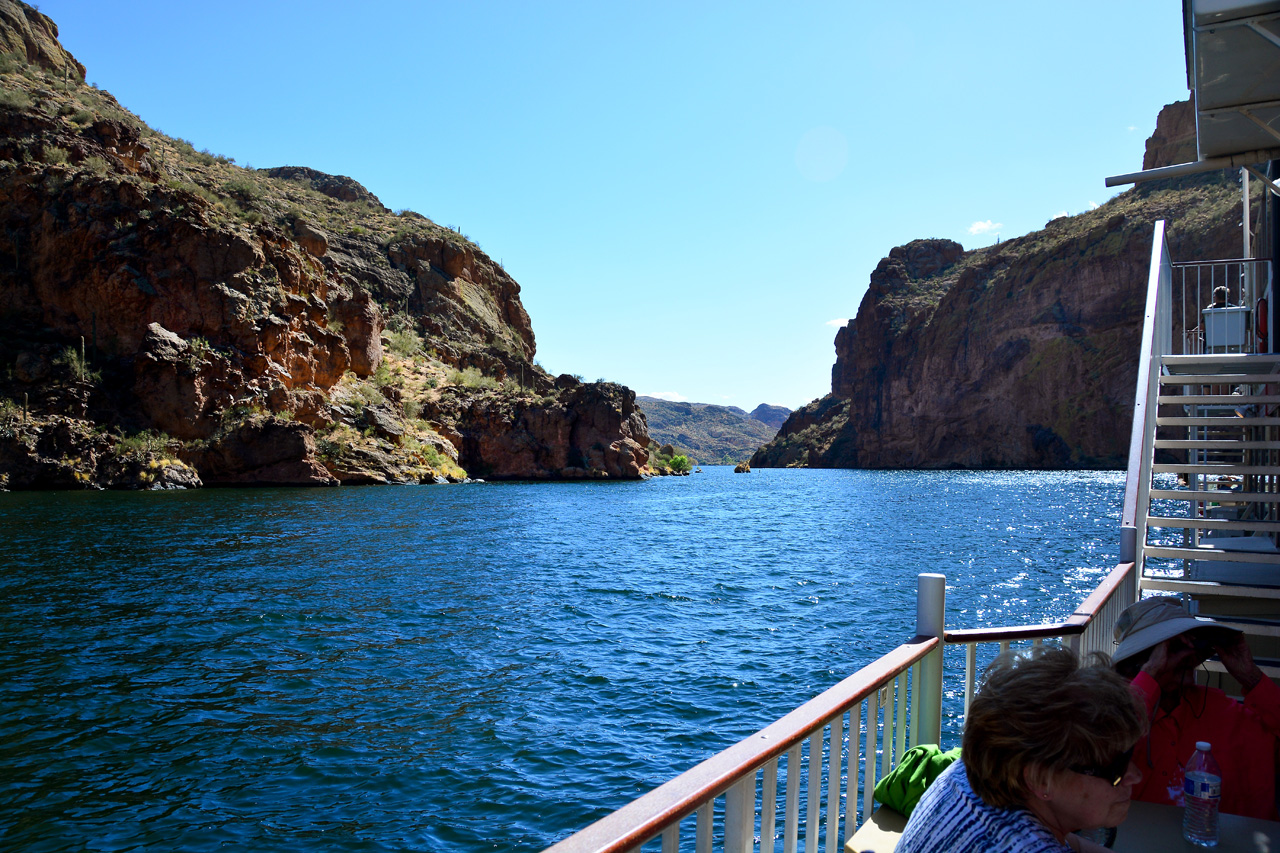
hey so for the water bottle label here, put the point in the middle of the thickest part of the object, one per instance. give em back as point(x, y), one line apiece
point(1203, 787)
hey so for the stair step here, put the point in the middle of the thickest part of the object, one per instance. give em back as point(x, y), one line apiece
point(1219, 468)
point(1217, 399)
point(1253, 627)
point(1270, 669)
point(1218, 378)
point(1209, 588)
point(1234, 422)
point(1212, 523)
point(1218, 555)
point(1214, 444)
point(1213, 496)
point(1244, 361)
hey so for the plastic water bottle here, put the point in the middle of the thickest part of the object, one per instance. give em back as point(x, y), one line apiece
point(1202, 785)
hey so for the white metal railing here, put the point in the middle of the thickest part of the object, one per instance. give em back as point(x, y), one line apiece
point(806, 781)
point(1157, 341)
point(1219, 302)
point(1086, 631)
point(795, 782)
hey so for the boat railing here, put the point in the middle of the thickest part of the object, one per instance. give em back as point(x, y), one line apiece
point(1218, 303)
point(1157, 341)
point(806, 781)
point(1086, 631)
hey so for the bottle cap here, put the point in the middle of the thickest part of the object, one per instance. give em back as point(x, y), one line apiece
point(1202, 745)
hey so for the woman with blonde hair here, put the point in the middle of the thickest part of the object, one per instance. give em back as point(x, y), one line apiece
point(1047, 751)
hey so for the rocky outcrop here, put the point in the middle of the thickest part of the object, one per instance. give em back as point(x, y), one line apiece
point(26, 33)
point(1021, 355)
point(773, 416)
point(590, 430)
point(335, 186)
point(155, 293)
point(1174, 140)
point(262, 451)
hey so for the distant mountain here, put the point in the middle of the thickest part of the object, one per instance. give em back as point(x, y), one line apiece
point(711, 435)
point(774, 416)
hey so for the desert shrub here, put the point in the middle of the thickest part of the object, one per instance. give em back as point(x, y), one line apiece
point(333, 441)
point(680, 464)
point(145, 443)
point(406, 343)
point(471, 378)
point(382, 377)
point(198, 350)
point(74, 362)
point(82, 116)
point(15, 99)
point(54, 154)
point(96, 164)
point(412, 408)
point(242, 188)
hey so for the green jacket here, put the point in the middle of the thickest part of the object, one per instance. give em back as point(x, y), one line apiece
point(906, 783)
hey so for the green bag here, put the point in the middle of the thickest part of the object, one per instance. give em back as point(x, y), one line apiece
point(905, 785)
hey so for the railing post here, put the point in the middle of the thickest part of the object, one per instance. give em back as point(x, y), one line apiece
point(931, 602)
point(739, 815)
point(1128, 544)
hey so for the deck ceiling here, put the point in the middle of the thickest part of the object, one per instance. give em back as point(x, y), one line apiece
point(1233, 61)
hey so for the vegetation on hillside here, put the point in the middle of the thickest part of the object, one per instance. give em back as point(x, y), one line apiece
point(57, 124)
point(709, 434)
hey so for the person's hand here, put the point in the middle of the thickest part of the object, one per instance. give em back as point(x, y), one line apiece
point(1238, 660)
point(1170, 662)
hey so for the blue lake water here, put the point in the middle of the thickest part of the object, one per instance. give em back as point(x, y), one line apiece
point(477, 667)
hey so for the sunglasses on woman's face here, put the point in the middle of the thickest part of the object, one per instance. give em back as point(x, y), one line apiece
point(1112, 772)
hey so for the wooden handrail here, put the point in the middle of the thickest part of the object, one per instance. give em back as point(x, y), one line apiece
point(642, 819)
point(1073, 624)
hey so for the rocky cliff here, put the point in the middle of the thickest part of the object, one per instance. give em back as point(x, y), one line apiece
point(167, 317)
point(1019, 355)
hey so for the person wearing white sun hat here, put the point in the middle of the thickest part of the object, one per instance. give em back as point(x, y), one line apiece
point(1159, 647)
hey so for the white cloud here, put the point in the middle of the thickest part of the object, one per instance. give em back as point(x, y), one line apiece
point(669, 396)
point(838, 322)
point(1058, 215)
point(1093, 205)
point(985, 227)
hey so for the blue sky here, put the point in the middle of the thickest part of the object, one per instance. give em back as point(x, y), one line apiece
point(690, 194)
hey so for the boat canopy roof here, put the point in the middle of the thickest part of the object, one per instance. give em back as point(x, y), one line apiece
point(1233, 72)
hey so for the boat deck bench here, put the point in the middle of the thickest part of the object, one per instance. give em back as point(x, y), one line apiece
point(879, 834)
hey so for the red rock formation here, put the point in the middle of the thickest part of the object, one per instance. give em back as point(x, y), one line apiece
point(1020, 355)
point(223, 306)
point(588, 430)
point(1174, 140)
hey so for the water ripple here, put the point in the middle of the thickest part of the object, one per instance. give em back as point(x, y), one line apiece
point(469, 668)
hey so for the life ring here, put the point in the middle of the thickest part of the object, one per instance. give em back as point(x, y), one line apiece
point(1260, 322)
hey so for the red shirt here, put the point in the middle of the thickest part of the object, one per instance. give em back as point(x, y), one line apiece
point(1244, 738)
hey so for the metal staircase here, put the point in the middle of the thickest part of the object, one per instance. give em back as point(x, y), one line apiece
point(1212, 519)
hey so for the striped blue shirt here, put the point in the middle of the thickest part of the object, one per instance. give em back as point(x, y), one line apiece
point(950, 818)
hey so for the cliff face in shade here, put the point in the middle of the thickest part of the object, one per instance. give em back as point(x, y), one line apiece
point(1020, 355)
point(250, 326)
